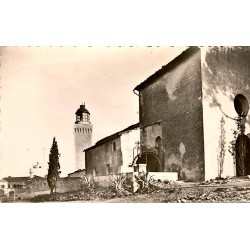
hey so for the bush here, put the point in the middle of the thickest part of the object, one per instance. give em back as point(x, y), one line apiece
point(87, 184)
point(145, 183)
point(118, 182)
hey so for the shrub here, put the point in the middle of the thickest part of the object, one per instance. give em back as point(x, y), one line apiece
point(145, 182)
point(118, 182)
point(87, 184)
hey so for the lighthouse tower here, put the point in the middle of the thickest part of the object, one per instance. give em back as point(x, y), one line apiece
point(83, 135)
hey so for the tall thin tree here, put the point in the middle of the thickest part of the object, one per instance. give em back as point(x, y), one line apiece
point(54, 167)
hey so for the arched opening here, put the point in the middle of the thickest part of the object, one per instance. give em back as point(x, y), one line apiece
point(158, 142)
point(152, 162)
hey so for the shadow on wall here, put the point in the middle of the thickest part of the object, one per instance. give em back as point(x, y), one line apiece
point(227, 70)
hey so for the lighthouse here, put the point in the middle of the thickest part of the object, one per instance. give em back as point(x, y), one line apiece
point(82, 134)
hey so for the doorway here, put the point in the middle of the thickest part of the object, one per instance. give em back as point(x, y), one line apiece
point(152, 162)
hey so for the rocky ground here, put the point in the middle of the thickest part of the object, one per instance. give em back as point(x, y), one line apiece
point(225, 190)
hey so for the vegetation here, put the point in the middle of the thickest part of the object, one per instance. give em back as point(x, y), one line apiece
point(121, 185)
point(54, 167)
point(145, 182)
point(88, 184)
point(221, 148)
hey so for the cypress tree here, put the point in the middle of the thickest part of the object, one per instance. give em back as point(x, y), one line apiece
point(54, 167)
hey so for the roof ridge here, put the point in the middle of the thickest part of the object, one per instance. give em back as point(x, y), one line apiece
point(109, 137)
point(170, 65)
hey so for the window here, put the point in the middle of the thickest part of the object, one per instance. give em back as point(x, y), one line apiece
point(241, 105)
point(85, 117)
point(114, 146)
point(158, 142)
point(77, 118)
point(8, 186)
point(2, 186)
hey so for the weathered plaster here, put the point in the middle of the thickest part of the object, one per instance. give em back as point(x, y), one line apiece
point(174, 98)
point(225, 73)
point(100, 157)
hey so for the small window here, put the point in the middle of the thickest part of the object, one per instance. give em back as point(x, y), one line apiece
point(2, 186)
point(114, 146)
point(158, 142)
point(8, 186)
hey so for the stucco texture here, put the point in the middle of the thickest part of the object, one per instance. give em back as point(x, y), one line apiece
point(225, 73)
point(175, 99)
point(100, 158)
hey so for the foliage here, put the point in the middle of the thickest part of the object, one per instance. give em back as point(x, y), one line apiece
point(240, 149)
point(54, 167)
point(88, 184)
point(118, 182)
point(221, 147)
point(145, 182)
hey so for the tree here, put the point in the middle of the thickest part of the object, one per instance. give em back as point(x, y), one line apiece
point(54, 167)
point(221, 147)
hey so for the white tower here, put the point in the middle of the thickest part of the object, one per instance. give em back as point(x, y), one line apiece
point(83, 135)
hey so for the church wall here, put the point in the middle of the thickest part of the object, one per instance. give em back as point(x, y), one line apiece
point(101, 159)
point(175, 100)
point(225, 73)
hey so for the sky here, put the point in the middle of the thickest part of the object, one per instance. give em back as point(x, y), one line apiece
point(42, 87)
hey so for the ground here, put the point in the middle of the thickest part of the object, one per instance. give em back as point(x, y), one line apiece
point(225, 190)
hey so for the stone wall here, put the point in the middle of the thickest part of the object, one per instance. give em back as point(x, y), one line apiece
point(39, 185)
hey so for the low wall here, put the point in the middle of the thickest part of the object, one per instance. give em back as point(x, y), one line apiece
point(164, 176)
point(39, 185)
point(104, 181)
